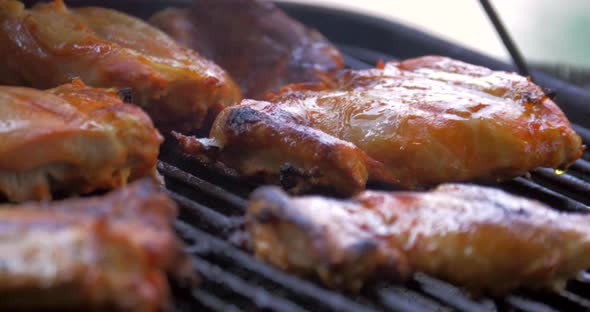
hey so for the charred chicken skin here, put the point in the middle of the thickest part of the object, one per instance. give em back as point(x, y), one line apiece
point(478, 237)
point(255, 41)
point(416, 123)
point(71, 139)
point(50, 44)
point(102, 253)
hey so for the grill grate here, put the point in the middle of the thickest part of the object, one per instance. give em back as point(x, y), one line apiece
point(212, 206)
point(236, 280)
point(234, 274)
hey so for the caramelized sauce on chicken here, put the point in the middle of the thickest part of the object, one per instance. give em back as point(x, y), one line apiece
point(71, 139)
point(412, 124)
point(101, 253)
point(481, 238)
point(50, 44)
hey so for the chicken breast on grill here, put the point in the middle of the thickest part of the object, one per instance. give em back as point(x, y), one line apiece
point(50, 44)
point(71, 139)
point(101, 254)
point(416, 123)
point(255, 41)
point(478, 237)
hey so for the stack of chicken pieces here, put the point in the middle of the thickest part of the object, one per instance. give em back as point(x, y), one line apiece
point(279, 108)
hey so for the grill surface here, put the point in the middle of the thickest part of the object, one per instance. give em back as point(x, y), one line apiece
point(235, 280)
point(211, 210)
point(212, 206)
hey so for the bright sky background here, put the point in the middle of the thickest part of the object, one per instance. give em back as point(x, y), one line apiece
point(545, 30)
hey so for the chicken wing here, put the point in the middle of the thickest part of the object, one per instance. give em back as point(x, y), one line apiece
point(416, 123)
point(478, 237)
point(50, 44)
point(100, 253)
point(255, 41)
point(71, 139)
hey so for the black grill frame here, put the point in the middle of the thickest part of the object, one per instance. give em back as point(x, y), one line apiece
point(212, 206)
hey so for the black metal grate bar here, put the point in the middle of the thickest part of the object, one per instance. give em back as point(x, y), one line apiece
point(212, 302)
point(260, 296)
point(451, 295)
point(582, 166)
point(553, 198)
point(562, 300)
point(584, 133)
point(202, 213)
point(171, 171)
point(399, 298)
point(528, 305)
point(573, 297)
point(329, 299)
point(575, 187)
point(510, 45)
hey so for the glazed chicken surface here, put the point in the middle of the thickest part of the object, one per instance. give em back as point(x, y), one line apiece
point(102, 254)
point(50, 44)
point(412, 124)
point(255, 41)
point(71, 139)
point(481, 238)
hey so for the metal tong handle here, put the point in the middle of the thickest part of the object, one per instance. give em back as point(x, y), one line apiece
point(506, 39)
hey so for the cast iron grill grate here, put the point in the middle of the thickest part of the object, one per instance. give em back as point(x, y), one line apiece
point(211, 209)
point(212, 206)
point(234, 280)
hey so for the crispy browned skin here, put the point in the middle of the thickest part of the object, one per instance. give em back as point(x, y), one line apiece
point(255, 41)
point(50, 44)
point(481, 238)
point(102, 253)
point(274, 148)
point(417, 123)
point(72, 139)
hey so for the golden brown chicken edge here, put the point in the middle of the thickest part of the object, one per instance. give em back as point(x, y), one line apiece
point(154, 210)
point(102, 265)
point(292, 242)
point(67, 177)
point(181, 90)
point(349, 254)
point(249, 144)
point(226, 152)
point(141, 203)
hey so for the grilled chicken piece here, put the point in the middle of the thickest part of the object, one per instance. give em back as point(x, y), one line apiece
point(255, 41)
point(99, 253)
point(478, 237)
point(416, 123)
point(71, 139)
point(50, 44)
